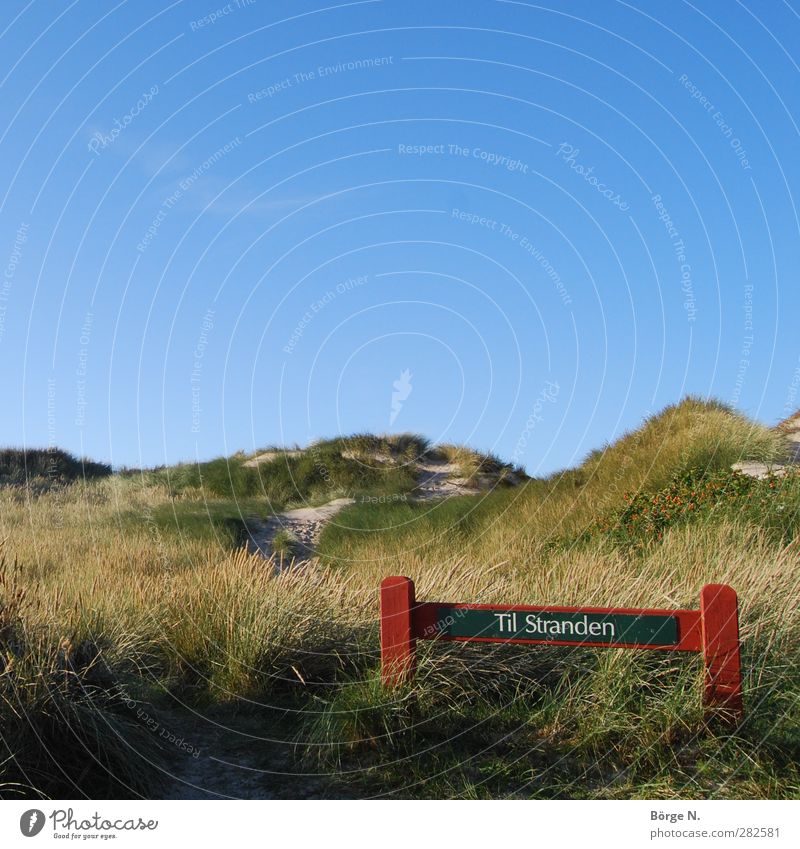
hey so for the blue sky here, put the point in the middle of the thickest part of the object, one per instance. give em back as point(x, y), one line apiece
point(226, 226)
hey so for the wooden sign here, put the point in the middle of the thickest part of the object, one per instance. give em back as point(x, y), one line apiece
point(712, 630)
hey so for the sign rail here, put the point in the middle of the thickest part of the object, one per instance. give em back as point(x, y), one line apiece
point(712, 630)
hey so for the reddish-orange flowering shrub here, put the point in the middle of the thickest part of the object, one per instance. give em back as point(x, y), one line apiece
point(697, 494)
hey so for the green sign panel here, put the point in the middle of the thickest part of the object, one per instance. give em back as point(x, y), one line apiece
point(547, 626)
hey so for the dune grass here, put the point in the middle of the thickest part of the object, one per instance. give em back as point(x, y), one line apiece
point(123, 597)
point(473, 465)
point(346, 466)
point(557, 723)
point(44, 468)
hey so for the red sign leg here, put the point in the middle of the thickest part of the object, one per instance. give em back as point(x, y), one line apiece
point(719, 613)
point(398, 646)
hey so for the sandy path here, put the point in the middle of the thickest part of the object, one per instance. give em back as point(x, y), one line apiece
point(267, 456)
point(305, 524)
point(792, 432)
point(236, 759)
point(436, 481)
point(790, 429)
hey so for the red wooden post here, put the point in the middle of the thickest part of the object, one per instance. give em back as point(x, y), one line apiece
point(719, 614)
point(398, 645)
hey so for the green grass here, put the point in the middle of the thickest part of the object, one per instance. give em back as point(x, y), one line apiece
point(424, 527)
point(220, 521)
point(284, 543)
point(498, 722)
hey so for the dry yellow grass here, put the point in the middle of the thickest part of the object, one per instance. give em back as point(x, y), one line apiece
point(179, 601)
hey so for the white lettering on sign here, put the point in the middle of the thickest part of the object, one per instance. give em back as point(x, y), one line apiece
point(536, 624)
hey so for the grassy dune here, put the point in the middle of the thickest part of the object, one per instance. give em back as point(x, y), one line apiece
point(127, 597)
point(347, 466)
